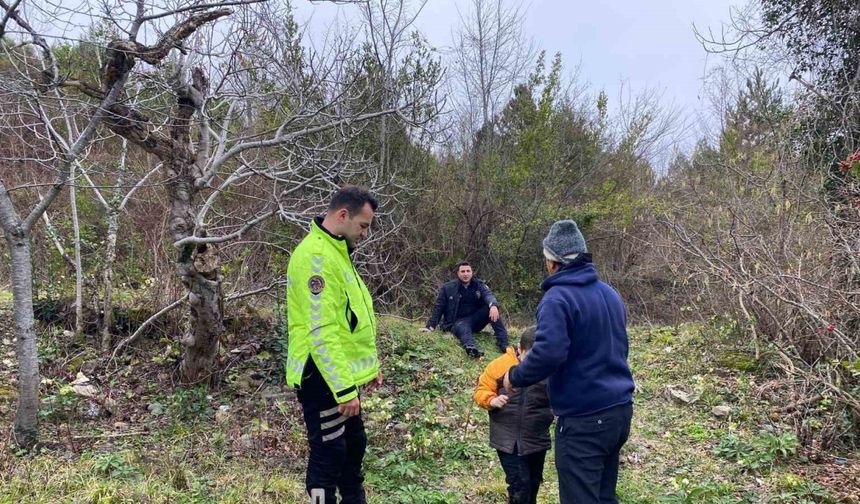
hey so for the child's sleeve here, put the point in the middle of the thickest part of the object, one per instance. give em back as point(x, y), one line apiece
point(488, 387)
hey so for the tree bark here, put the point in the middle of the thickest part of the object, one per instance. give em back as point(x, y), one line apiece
point(26, 418)
point(198, 267)
point(107, 281)
point(17, 233)
point(79, 273)
point(202, 277)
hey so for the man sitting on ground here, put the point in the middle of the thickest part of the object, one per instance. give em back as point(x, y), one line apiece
point(466, 305)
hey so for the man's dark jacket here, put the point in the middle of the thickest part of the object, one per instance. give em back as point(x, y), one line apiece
point(448, 301)
point(580, 343)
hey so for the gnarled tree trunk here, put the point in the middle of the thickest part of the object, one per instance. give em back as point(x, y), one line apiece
point(198, 265)
point(202, 277)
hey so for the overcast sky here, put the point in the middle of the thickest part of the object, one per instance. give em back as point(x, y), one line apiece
point(636, 44)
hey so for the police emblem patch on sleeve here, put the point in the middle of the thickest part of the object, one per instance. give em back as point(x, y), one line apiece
point(316, 284)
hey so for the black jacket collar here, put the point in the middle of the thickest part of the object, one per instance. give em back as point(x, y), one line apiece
point(319, 220)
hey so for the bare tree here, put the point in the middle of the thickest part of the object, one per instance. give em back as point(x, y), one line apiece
point(244, 113)
point(765, 227)
point(792, 178)
point(122, 189)
point(401, 61)
point(34, 113)
point(491, 54)
point(387, 23)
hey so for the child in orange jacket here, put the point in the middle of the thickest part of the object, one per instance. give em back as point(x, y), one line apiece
point(519, 423)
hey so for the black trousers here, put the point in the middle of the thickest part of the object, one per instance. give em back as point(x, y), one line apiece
point(464, 328)
point(523, 474)
point(587, 452)
point(337, 444)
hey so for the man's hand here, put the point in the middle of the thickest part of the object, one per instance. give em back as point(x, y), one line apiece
point(425, 329)
point(507, 383)
point(375, 384)
point(494, 313)
point(499, 401)
point(350, 409)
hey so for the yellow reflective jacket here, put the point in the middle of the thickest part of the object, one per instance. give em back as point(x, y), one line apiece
point(329, 316)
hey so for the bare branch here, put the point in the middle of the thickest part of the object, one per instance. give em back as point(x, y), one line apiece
point(118, 50)
point(274, 285)
point(139, 331)
point(283, 138)
point(9, 11)
point(221, 239)
point(198, 7)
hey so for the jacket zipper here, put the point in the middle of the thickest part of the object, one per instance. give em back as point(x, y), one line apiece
point(363, 297)
point(523, 399)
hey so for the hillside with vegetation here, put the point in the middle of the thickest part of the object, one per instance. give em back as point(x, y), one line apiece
point(705, 428)
point(159, 162)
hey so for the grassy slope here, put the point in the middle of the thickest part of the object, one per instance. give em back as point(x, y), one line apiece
point(427, 440)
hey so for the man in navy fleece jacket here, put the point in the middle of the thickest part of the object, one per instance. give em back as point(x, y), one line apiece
point(581, 345)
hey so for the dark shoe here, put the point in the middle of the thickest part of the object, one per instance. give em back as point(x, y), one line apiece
point(474, 353)
point(502, 348)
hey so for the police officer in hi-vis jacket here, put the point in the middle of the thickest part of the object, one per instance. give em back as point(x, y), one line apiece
point(332, 345)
